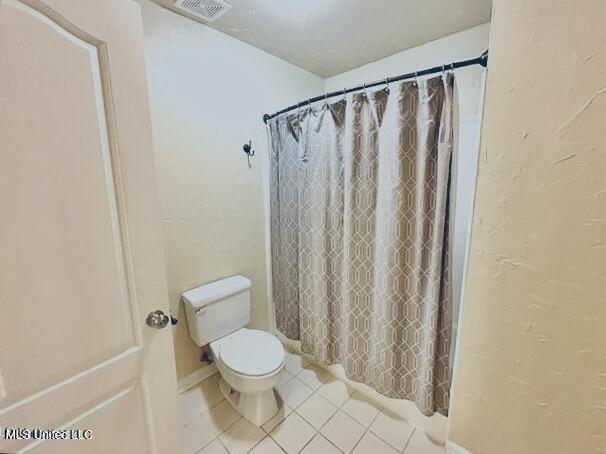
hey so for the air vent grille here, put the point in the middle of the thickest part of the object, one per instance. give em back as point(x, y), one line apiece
point(208, 10)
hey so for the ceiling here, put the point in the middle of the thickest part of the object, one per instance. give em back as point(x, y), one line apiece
point(328, 37)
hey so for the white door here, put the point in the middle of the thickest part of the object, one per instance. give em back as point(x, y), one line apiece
point(81, 261)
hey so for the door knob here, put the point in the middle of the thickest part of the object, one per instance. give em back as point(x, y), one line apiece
point(157, 319)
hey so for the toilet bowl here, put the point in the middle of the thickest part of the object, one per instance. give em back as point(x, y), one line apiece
point(250, 363)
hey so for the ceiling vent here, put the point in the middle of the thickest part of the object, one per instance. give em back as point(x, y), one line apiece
point(208, 10)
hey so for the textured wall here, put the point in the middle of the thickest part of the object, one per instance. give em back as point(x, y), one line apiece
point(208, 92)
point(531, 374)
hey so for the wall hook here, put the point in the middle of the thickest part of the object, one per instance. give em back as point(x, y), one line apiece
point(247, 147)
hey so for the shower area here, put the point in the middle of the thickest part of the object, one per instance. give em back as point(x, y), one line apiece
point(351, 218)
point(362, 212)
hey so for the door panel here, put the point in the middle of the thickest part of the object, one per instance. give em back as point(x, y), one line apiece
point(81, 262)
point(126, 404)
point(63, 225)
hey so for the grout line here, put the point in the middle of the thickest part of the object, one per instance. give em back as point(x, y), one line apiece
point(339, 408)
point(205, 411)
point(221, 443)
point(336, 447)
point(318, 434)
point(409, 438)
point(277, 444)
point(223, 431)
point(368, 430)
point(318, 431)
point(256, 444)
point(308, 442)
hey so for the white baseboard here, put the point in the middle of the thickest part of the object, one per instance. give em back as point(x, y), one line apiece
point(197, 376)
point(453, 448)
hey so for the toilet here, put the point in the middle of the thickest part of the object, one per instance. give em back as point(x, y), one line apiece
point(250, 361)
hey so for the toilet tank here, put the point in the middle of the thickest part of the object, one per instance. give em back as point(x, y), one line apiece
point(217, 309)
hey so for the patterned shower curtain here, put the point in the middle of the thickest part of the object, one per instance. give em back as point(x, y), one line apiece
point(360, 192)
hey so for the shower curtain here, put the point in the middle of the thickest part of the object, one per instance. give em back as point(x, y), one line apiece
point(360, 192)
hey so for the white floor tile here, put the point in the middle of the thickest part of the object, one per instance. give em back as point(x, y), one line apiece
point(320, 445)
point(295, 363)
point(293, 433)
point(196, 435)
point(212, 426)
point(420, 444)
point(284, 377)
point(360, 409)
point(313, 376)
point(267, 446)
point(199, 399)
point(213, 448)
point(294, 392)
point(371, 444)
point(283, 411)
point(343, 431)
point(335, 391)
point(316, 410)
point(202, 429)
point(396, 432)
point(241, 437)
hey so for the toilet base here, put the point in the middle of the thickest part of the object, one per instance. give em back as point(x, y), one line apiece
point(257, 407)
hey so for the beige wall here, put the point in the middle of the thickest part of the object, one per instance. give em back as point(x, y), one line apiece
point(208, 93)
point(531, 374)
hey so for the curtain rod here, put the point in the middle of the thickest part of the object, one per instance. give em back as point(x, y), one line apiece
point(482, 60)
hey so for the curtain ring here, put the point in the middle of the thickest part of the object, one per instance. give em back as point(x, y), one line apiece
point(344, 94)
point(416, 80)
point(387, 85)
point(326, 98)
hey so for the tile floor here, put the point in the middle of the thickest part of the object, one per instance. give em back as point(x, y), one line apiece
point(318, 415)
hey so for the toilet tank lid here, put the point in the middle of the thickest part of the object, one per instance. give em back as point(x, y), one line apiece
point(214, 291)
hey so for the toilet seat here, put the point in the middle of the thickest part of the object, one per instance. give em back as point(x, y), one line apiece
point(252, 352)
